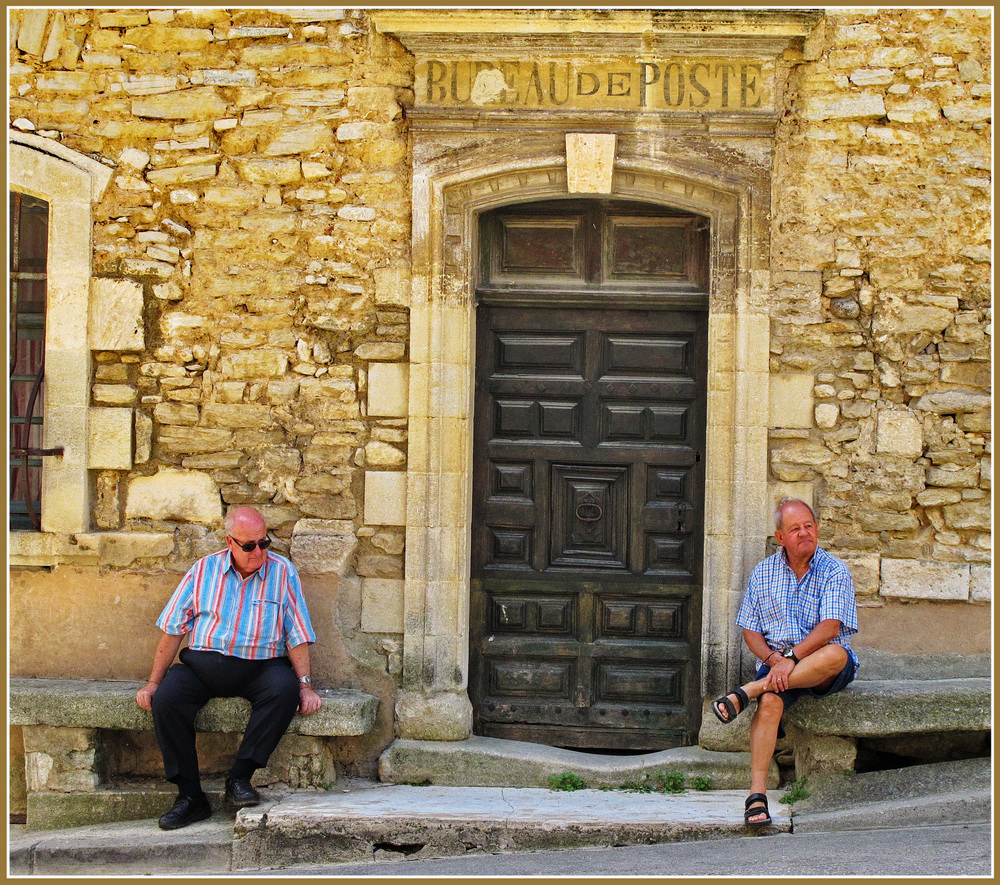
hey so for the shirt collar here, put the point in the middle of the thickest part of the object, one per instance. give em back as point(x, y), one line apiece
point(261, 572)
point(812, 560)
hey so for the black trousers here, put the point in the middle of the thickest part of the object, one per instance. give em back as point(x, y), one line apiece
point(270, 685)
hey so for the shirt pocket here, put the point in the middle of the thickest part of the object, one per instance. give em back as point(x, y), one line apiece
point(267, 620)
point(808, 608)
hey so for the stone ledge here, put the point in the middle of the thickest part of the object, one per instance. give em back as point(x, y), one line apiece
point(878, 708)
point(494, 762)
point(880, 665)
point(113, 549)
point(104, 703)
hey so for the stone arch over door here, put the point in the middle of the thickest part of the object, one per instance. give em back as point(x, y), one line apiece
point(449, 192)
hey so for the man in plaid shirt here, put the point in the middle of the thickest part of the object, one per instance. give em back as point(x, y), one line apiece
point(797, 615)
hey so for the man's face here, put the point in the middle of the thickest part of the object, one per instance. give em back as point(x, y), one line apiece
point(243, 531)
point(799, 534)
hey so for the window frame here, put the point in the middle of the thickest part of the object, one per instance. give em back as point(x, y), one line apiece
point(28, 272)
point(71, 184)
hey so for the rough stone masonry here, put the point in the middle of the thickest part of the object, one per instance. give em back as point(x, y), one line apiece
point(249, 305)
point(882, 321)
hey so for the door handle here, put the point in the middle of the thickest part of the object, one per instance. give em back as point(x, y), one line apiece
point(585, 512)
point(682, 511)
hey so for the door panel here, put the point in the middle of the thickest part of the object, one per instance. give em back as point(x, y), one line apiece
point(587, 528)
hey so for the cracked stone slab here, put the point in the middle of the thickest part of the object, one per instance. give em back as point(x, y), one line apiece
point(448, 821)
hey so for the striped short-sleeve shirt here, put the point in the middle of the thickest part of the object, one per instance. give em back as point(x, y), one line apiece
point(256, 618)
point(785, 608)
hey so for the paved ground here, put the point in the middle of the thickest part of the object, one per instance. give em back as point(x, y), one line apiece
point(950, 851)
point(923, 820)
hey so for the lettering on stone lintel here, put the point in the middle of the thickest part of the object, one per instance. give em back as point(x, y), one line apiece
point(700, 85)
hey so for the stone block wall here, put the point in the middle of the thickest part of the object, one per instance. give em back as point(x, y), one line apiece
point(250, 258)
point(881, 322)
point(249, 317)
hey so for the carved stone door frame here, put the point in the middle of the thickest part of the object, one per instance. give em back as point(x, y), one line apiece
point(469, 158)
point(433, 702)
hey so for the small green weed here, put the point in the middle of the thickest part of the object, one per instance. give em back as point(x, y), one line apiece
point(796, 792)
point(669, 781)
point(643, 786)
point(566, 781)
point(661, 782)
point(701, 783)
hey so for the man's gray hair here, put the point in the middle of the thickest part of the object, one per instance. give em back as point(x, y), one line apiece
point(779, 513)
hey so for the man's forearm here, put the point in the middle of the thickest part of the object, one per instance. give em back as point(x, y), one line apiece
point(299, 656)
point(163, 657)
point(822, 634)
point(758, 645)
point(309, 700)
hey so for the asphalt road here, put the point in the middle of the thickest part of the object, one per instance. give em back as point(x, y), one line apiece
point(950, 851)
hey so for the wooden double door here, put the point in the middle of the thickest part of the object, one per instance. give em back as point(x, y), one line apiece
point(588, 523)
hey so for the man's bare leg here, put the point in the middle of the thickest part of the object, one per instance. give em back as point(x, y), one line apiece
point(817, 670)
point(763, 738)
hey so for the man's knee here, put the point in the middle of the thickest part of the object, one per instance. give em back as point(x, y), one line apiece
point(278, 685)
point(166, 695)
point(834, 659)
point(770, 706)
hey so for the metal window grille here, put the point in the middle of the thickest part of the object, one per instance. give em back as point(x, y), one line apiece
point(29, 235)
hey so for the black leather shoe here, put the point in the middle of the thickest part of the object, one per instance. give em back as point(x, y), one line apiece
point(240, 793)
point(186, 811)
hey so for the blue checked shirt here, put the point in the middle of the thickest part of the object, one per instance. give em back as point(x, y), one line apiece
point(785, 609)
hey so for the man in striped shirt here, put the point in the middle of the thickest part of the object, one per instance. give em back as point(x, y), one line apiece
point(249, 634)
point(797, 615)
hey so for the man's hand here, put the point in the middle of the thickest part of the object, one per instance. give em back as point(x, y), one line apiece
point(777, 678)
point(309, 701)
point(144, 696)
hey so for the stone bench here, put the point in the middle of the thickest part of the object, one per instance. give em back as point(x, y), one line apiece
point(84, 739)
point(896, 699)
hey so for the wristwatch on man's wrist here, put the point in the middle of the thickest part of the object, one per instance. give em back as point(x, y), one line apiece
point(789, 653)
point(305, 680)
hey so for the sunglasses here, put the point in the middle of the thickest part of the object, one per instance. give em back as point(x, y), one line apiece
point(250, 546)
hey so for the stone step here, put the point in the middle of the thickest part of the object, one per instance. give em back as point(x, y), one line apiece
point(394, 822)
point(958, 791)
point(368, 821)
point(493, 762)
point(945, 808)
point(124, 800)
point(138, 848)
